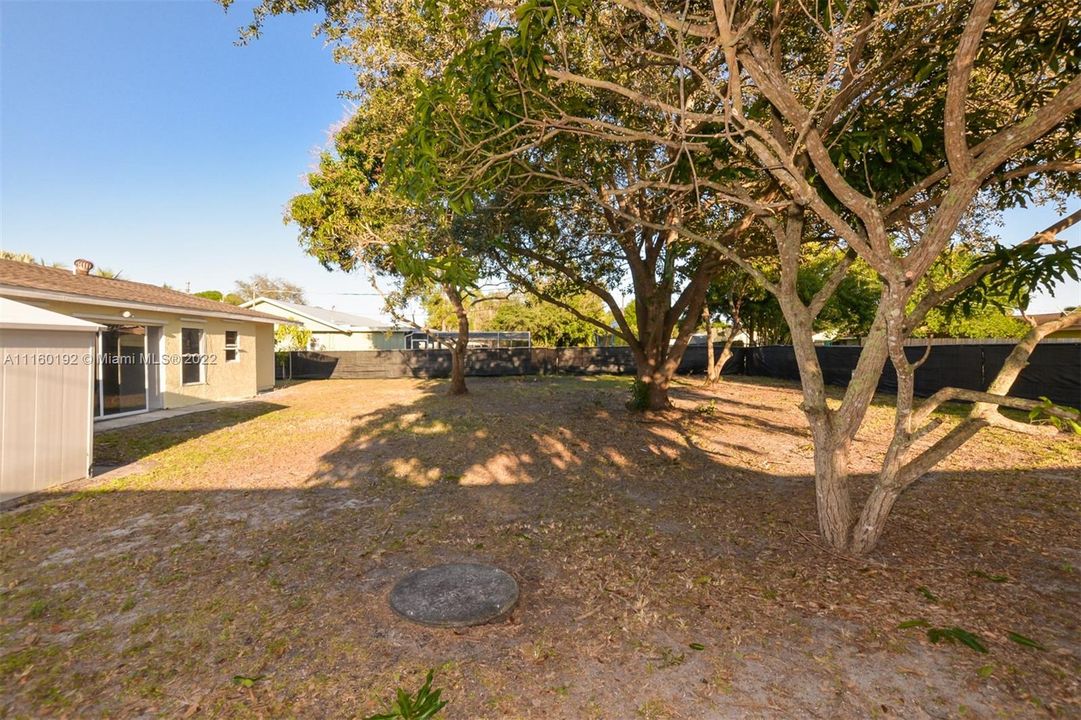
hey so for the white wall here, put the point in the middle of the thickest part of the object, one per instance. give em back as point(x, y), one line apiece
point(46, 423)
point(359, 340)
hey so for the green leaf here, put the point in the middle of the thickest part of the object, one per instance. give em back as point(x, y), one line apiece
point(697, 646)
point(952, 634)
point(969, 639)
point(924, 72)
point(245, 681)
point(930, 596)
point(1026, 641)
point(917, 622)
point(986, 671)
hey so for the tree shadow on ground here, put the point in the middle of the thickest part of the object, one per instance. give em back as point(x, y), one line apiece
point(570, 442)
point(267, 550)
point(114, 448)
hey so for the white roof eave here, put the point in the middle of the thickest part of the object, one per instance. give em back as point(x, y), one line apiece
point(15, 315)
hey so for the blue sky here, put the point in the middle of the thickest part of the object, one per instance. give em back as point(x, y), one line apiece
point(138, 134)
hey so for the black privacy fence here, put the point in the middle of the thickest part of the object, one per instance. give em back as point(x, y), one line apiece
point(1053, 371)
point(479, 362)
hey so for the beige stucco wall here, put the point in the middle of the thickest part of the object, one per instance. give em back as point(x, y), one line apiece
point(223, 380)
point(264, 356)
point(243, 378)
point(331, 340)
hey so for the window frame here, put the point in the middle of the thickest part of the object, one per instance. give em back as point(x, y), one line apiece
point(233, 347)
point(200, 363)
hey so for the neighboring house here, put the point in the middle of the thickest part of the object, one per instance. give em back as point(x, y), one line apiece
point(478, 339)
point(1068, 332)
point(157, 348)
point(742, 338)
point(333, 330)
point(720, 335)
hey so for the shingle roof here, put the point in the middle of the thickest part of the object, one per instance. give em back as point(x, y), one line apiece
point(345, 321)
point(24, 276)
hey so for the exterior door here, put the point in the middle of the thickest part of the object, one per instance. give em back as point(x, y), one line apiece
point(122, 370)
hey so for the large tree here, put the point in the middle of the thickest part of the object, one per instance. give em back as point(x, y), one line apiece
point(879, 128)
point(585, 245)
point(572, 218)
point(882, 129)
point(352, 219)
point(598, 215)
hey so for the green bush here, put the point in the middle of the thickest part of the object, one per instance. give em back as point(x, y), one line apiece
point(639, 396)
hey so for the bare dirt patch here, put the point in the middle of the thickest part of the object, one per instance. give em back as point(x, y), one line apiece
point(668, 566)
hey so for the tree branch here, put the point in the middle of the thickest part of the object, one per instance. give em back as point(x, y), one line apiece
point(818, 302)
point(933, 299)
point(951, 394)
point(957, 83)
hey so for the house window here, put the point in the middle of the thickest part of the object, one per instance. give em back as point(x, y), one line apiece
point(232, 346)
point(191, 347)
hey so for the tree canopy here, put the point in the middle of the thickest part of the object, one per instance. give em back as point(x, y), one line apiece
point(275, 288)
point(887, 131)
point(551, 325)
point(829, 151)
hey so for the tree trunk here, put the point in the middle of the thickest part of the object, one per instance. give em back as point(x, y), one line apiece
point(831, 437)
point(712, 373)
point(651, 360)
point(897, 475)
point(457, 370)
point(873, 519)
point(722, 360)
point(461, 343)
point(653, 386)
point(726, 351)
point(832, 493)
point(651, 378)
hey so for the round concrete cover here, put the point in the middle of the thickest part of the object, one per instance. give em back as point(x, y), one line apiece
point(455, 595)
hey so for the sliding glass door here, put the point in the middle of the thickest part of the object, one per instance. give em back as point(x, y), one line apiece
point(122, 370)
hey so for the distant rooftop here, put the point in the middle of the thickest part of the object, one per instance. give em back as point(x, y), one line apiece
point(337, 318)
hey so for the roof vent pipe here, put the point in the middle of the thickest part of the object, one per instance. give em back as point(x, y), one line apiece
point(83, 266)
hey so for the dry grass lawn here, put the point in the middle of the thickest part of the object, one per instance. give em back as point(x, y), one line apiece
point(669, 566)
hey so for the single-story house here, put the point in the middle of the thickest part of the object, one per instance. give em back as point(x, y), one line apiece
point(333, 330)
point(157, 348)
